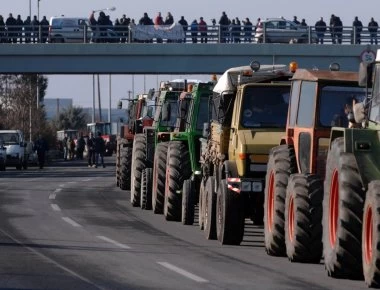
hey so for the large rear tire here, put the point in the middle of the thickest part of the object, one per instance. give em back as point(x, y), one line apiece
point(146, 189)
point(371, 236)
point(281, 164)
point(209, 209)
point(188, 202)
point(178, 169)
point(138, 165)
point(342, 214)
point(159, 177)
point(303, 218)
point(229, 216)
point(125, 168)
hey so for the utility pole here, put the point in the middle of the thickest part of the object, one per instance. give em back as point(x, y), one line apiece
point(99, 101)
point(30, 9)
point(38, 10)
point(93, 98)
point(109, 103)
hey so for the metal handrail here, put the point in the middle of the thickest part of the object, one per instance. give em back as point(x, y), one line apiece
point(214, 34)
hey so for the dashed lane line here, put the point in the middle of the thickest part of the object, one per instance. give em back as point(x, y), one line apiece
point(52, 196)
point(55, 207)
point(183, 272)
point(71, 272)
point(88, 179)
point(71, 222)
point(123, 246)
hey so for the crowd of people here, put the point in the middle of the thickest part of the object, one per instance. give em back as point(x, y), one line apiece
point(233, 30)
point(94, 146)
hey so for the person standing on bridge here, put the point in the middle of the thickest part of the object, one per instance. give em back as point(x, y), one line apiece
point(3, 32)
point(158, 21)
point(27, 29)
point(185, 26)
point(44, 29)
point(202, 27)
point(194, 31)
point(358, 27)
point(320, 28)
point(35, 28)
point(372, 28)
point(19, 26)
point(11, 26)
point(224, 22)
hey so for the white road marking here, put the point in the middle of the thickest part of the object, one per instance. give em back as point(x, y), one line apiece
point(71, 182)
point(88, 179)
point(183, 272)
point(113, 242)
point(71, 222)
point(52, 261)
point(52, 196)
point(61, 185)
point(55, 207)
point(58, 190)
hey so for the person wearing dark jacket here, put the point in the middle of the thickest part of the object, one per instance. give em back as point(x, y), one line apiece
point(44, 29)
point(27, 29)
point(41, 146)
point(91, 150)
point(100, 147)
point(185, 26)
point(11, 26)
point(358, 27)
point(3, 32)
point(320, 28)
point(224, 22)
point(194, 31)
point(19, 26)
point(372, 28)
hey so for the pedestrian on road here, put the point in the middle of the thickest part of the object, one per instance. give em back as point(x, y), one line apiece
point(100, 147)
point(71, 148)
point(91, 150)
point(41, 146)
point(372, 28)
point(64, 147)
point(80, 146)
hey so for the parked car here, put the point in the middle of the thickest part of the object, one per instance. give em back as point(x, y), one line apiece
point(15, 145)
point(68, 29)
point(280, 30)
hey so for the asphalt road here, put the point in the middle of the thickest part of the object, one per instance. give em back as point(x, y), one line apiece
point(69, 227)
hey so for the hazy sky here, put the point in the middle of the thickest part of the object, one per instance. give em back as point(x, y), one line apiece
point(80, 87)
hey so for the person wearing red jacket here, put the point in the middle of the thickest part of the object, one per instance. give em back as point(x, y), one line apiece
point(202, 28)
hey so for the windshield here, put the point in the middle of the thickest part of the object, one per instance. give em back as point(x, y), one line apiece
point(333, 104)
point(173, 114)
point(203, 114)
point(9, 138)
point(265, 107)
point(104, 129)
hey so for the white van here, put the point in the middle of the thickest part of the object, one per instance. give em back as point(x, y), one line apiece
point(13, 141)
point(68, 29)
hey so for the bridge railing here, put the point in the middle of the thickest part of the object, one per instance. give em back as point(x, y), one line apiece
point(213, 34)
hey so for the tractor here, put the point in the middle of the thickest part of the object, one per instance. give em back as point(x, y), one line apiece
point(140, 113)
point(351, 205)
point(247, 118)
point(296, 169)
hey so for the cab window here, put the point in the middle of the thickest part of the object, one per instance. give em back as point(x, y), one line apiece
point(375, 104)
point(306, 105)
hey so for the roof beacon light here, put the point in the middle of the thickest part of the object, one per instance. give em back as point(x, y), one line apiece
point(293, 66)
point(255, 65)
point(334, 67)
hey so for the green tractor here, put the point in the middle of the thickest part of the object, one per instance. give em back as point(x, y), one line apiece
point(351, 205)
point(183, 172)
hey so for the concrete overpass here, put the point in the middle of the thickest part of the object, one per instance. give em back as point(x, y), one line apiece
point(137, 58)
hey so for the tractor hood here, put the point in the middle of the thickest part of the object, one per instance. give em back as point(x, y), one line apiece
point(259, 142)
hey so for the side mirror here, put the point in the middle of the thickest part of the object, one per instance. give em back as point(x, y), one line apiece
point(206, 130)
point(359, 112)
point(166, 112)
point(365, 74)
point(120, 105)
